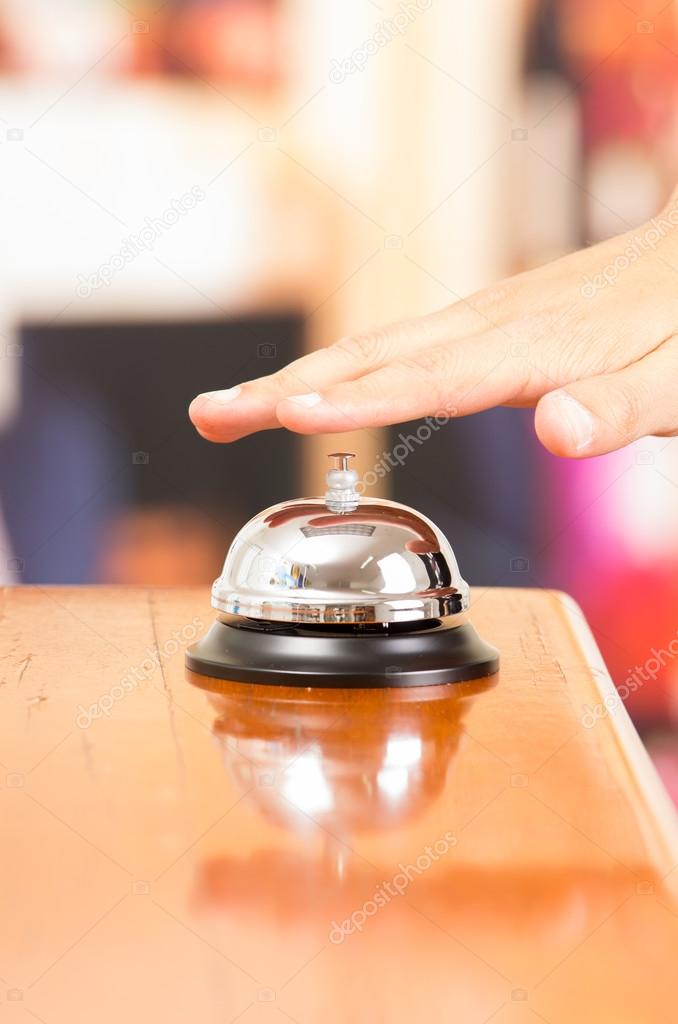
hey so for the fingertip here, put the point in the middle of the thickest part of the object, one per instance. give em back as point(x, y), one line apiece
point(201, 413)
point(208, 415)
point(195, 409)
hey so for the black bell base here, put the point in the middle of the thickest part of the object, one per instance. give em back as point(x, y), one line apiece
point(315, 655)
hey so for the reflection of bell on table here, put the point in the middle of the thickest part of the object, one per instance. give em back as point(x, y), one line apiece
point(351, 781)
point(354, 760)
point(341, 592)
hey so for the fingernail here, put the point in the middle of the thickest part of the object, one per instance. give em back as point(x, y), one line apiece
point(222, 397)
point(577, 418)
point(308, 401)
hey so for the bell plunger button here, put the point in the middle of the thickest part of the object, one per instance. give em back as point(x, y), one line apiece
point(341, 495)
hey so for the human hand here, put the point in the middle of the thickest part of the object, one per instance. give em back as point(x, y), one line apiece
point(591, 340)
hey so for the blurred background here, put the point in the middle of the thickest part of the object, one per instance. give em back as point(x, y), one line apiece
point(195, 192)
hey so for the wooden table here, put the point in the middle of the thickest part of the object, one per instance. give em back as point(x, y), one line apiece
point(176, 850)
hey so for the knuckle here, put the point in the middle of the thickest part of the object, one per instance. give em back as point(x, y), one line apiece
point(585, 343)
point(435, 367)
point(421, 329)
point(434, 362)
point(496, 296)
point(364, 349)
point(626, 408)
point(283, 382)
point(534, 324)
point(568, 346)
point(291, 379)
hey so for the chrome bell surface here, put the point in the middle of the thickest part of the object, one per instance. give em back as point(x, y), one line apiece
point(340, 559)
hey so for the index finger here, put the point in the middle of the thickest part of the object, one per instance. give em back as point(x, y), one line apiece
point(227, 415)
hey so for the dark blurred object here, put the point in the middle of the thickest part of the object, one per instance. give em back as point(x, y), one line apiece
point(550, 222)
point(105, 477)
point(475, 477)
point(543, 48)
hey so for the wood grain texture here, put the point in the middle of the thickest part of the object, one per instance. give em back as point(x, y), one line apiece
point(177, 849)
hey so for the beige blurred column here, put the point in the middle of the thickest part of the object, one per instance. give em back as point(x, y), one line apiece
point(418, 141)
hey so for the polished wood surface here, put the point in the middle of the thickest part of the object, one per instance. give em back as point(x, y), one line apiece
point(182, 849)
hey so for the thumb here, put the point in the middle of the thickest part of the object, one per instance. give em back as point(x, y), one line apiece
point(605, 413)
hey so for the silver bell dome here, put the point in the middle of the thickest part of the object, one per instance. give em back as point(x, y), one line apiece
point(340, 559)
